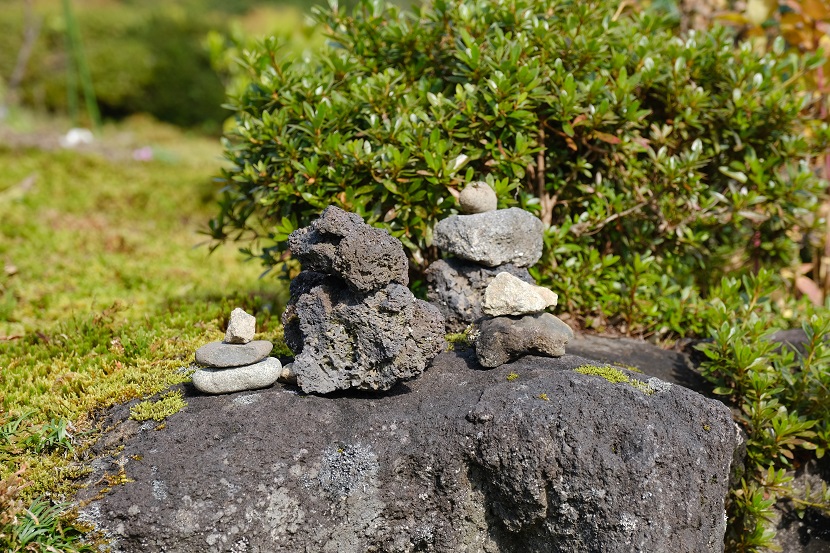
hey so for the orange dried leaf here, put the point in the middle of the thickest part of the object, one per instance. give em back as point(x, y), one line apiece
point(815, 9)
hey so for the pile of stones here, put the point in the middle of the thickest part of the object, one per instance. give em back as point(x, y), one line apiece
point(481, 244)
point(486, 281)
point(239, 362)
point(351, 320)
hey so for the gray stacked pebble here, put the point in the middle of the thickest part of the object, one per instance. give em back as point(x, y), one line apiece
point(238, 363)
point(488, 284)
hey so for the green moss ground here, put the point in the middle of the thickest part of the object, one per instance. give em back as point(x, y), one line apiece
point(105, 290)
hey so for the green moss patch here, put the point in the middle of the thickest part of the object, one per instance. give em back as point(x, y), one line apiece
point(171, 402)
point(615, 376)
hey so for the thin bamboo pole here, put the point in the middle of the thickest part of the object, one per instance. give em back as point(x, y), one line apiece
point(83, 74)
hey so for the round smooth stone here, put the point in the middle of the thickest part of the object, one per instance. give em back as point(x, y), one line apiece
point(478, 197)
point(214, 380)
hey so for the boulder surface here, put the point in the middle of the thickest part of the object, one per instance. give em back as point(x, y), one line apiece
point(458, 461)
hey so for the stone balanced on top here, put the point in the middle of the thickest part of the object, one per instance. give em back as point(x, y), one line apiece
point(239, 362)
point(491, 285)
point(351, 320)
point(483, 243)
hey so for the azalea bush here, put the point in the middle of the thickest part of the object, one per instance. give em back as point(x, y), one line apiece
point(658, 163)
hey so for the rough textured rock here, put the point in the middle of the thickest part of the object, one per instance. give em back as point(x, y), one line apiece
point(503, 339)
point(478, 197)
point(241, 327)
point(343, 340)
point(457, 461)
point(339, 243)
point(456, 287)
point(220, 354)
point(509, 295)
point(237, 379)
point(492, 238)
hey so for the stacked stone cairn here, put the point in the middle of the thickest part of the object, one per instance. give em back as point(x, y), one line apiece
point(351, 320)
point(239, 362)
point(486, 281)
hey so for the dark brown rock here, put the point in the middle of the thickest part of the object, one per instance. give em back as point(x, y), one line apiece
point(504, 339)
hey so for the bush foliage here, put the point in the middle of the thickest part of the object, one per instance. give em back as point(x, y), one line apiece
point(650, 157)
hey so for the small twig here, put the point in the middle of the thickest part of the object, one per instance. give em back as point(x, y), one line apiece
point(616, 216)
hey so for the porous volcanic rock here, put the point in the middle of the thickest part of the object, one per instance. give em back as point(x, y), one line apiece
point(492, 238)
point(456, 287)
point(343, 340)
point(339, 243)
point(503, 339)
point(458, 461)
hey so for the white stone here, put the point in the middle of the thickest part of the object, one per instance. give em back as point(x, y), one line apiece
point(510, 295)
point(237, 379)
point(477, 197)
point(241, 327)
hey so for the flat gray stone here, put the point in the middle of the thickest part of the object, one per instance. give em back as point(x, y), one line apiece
point(510, 295)
point(241, 327)
point(220, 354)
point(478, 197)
point(492, 238)
point(504, 339)
point(237, 379)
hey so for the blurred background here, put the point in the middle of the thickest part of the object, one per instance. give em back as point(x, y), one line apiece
point(95, 60)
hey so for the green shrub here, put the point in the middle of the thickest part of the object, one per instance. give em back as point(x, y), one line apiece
point(780, 398)
point(649, 156)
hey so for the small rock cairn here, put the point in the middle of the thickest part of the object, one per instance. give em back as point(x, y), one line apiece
point(487, 281)
point(239, 362)
point(351, 320)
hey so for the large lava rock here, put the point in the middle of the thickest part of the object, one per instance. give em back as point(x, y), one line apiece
point(366, 342)
point(459, 460)
point(351, 320)
point(339, 243)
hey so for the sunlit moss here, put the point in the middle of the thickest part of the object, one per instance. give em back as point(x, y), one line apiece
point(171, 402)
point(615, 376)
